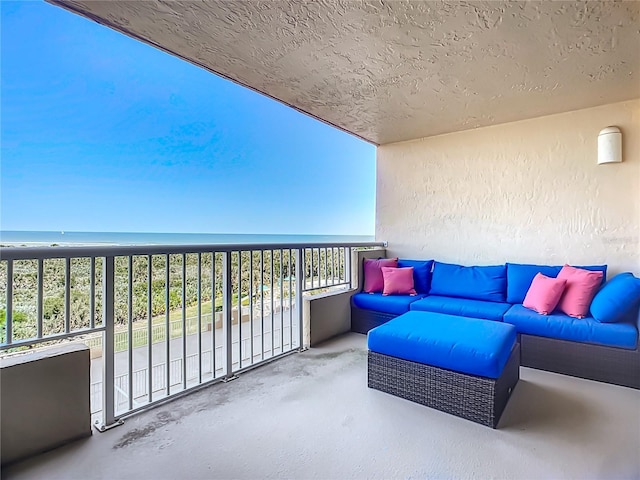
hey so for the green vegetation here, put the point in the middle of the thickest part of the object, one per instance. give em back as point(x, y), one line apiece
point(20, 323)
point(243, 281)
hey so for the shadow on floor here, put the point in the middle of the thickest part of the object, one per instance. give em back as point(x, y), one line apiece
point(538, 407)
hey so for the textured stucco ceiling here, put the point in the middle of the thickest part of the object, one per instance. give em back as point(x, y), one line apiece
point(396, 70)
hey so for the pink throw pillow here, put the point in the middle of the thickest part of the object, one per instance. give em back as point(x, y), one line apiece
point(544, 294)
point(582, 286)
point(398, 281)
point(373, 281)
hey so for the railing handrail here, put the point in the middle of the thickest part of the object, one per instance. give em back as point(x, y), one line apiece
point(38, 253)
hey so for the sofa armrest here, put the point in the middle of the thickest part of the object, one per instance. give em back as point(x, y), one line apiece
point(357, 259)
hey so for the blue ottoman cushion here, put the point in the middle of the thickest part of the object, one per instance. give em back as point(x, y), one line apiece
point(467, 345)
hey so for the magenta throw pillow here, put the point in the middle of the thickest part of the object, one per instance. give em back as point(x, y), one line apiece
point(398, 281)
point(581, 287)
point(373, 281)
point(544, 294)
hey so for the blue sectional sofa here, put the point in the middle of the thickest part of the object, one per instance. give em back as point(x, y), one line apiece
point(586, 348)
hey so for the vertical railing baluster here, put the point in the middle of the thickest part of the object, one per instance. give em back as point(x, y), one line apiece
point(184, 320)
point(299, 294)
point(108, 354)
point(312, 269)
point(226, 313)
point(167, 323)
point(347, 264)
point(281, 309)
point(40, 303)
point(290, 273)
point(150, 327)
point(271, 300)
point(251, 303)
point(239, 308)
point(130, 329)
point(199, 293)
point(67, 295)
point(9, 318)
point(326, 271)
point(333, 266)
point(306, 285)
point(262, 304)
point(92, 293)
point(213, 315)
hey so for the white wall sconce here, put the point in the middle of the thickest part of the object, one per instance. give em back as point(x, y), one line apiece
point(609, 145)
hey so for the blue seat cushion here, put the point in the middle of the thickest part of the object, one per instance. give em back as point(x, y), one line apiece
point(396, 304)
point(479, 283)
point(463, 307)
point(563, 327)
point(619, 295)
point(520, 276)
point(466, 345)
point(421, 273)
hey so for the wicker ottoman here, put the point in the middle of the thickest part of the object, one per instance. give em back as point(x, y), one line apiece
point(463, 366)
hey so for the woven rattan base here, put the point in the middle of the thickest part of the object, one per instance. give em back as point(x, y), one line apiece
point(594, 362)
point(478, 399)
point(364, 320)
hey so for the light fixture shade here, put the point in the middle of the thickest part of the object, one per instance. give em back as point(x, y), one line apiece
point(610, 145)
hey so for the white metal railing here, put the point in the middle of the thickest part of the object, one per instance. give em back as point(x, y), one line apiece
point(141, 308)
point(140, 383)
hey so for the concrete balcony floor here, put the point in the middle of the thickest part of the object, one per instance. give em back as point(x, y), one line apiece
point(311, 415)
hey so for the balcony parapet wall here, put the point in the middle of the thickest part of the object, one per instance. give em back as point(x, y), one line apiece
point(44, 401)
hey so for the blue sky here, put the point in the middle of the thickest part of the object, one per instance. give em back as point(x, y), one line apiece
point(103, 133)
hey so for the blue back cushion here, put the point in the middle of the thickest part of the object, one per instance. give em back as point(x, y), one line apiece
point(619, 295)
point(421, 273)
point(520, 276)
point(480, 283)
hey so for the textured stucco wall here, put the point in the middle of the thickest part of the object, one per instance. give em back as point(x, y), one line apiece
point(527, 191)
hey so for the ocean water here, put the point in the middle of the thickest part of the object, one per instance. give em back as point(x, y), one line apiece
point(14, 237)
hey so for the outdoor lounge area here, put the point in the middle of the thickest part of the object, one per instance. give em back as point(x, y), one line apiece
point(453, 337)
point(495, 174)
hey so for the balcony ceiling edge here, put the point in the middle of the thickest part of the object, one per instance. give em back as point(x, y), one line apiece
point(393, 71)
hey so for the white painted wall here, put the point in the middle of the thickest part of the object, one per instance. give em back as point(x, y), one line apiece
point(527, 191)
